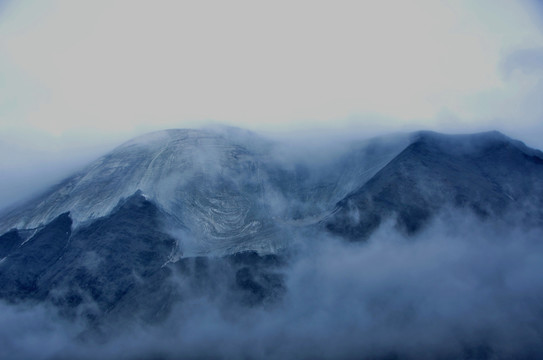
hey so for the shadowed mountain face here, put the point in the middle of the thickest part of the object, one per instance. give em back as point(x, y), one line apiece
point(123, 266)
point(180, 215)
point(487, 174)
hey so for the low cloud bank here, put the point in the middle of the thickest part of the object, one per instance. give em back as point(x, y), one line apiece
point(461, 289)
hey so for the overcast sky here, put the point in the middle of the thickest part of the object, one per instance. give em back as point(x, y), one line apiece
point(78, 77)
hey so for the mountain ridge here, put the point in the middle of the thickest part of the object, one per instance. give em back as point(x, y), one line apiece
point(225, 187)
point(236, 226)
point(178, 169)
point(467, 169)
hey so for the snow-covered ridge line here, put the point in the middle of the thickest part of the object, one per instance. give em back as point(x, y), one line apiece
point(230, 188)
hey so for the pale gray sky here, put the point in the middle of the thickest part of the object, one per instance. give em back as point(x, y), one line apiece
point(77, 77)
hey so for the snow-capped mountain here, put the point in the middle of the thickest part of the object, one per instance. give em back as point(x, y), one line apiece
point(208, 204)
point(223, 191)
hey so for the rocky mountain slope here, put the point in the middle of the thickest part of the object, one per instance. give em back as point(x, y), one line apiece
point(113, 240)
point(225, 192)
point(488, 174)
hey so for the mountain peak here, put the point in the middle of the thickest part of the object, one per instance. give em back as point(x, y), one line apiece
point(226, 184)
point(478, 139)
point(164, 137)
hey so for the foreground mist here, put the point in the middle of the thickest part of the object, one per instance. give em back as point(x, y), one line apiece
point(462, 288)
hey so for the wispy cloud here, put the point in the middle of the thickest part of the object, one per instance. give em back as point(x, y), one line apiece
point(462, 289)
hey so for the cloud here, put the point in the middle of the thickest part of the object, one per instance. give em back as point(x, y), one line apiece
point(31, 161)
point(139, 66)
point(464, 288)
point(33, 332)
point(525, 60)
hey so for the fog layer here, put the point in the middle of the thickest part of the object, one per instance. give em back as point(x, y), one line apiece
point(462, 289)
